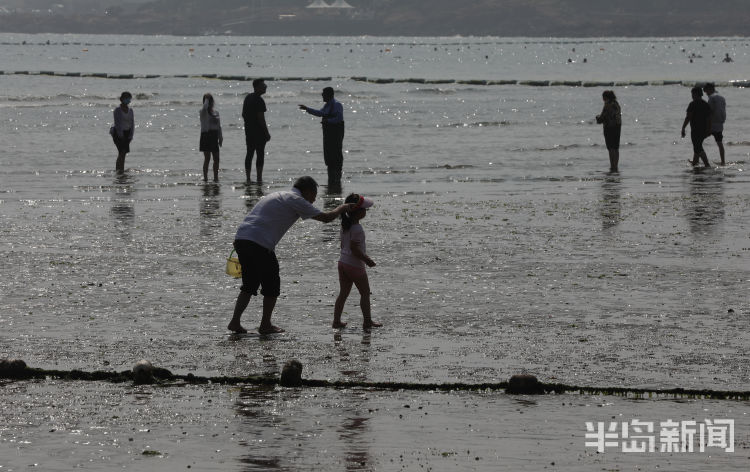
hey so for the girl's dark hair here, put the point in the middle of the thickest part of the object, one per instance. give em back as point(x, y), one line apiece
point(609, 95)
point(346, 220)
point(125, 95)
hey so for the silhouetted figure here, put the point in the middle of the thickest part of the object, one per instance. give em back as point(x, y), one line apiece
point(332, 115)
point(352, 262)
point(727, 58)
point(718, 116)
point(123, 129)
point(699, 117)
point(256, 240)
point(611, 120)
point(211, 137)
point(256, 130)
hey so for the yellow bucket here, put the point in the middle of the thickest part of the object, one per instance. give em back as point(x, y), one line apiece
point(233, 266)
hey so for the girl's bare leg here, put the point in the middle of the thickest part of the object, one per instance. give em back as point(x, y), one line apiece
point(363, 285)
point(345, 284)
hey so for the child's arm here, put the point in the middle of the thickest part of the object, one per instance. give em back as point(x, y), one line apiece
point(357, 252)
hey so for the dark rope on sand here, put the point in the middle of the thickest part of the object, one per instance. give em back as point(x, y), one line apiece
point(519, 384)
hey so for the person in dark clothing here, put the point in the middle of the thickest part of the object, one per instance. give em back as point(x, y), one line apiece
point(332, 115)
point(718, 116)
point(611, 119)
point(256, 130)
point(123, 129)
point(699, 117)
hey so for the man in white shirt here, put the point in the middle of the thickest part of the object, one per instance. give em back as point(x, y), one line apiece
point(256, 241)
point(718, 116)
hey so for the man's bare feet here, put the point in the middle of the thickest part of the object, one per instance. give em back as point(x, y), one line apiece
point(270, 329)
point(237, 328)
point(338, 325)
point(371, 325)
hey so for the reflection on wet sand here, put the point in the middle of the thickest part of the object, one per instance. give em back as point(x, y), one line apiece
point(210, 209)
point(258, 405)
point(611, 206)
point(253, 193)
point(123, 204)
point(353, 368)
point(354, 430)
point(280, 428)
point(278, 433)
point(705, 207)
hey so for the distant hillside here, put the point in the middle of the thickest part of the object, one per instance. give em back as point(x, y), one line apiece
point(570, 18)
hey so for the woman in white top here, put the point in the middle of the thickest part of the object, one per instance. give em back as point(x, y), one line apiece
point(352, 262)
point(122, 131)
point(211, 138)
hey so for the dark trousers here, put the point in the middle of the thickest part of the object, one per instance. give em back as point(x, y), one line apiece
point(333, 142)
point(256, 144)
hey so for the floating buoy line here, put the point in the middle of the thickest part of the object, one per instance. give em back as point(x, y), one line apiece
point(144, 373)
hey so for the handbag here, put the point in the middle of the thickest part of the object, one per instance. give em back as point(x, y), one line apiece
point(233, 266)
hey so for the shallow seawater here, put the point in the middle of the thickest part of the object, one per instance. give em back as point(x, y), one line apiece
point(503, 246)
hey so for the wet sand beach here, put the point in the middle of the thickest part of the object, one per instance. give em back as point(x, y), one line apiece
point(503, 247)
point(63, 426)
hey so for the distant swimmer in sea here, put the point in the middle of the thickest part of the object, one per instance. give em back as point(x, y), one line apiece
point(352, 262)
point(332, 120)
point(256, 129)
point(123, 129)
point(211, 137)
point(611, 120)
point(699, 117)
point(727, 58)
point(256, 240)
point(718, 116)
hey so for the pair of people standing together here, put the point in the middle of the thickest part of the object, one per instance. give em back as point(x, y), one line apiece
point(706, 119)
point(257, 135)
point(210, 141)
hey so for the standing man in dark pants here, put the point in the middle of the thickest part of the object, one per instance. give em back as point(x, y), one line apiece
point(332, 115)
point(699, 117)
point(256, 130)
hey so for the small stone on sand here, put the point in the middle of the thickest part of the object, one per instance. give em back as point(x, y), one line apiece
point(524, 384)
point(291, 374)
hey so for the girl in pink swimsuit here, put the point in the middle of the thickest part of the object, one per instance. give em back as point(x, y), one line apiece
point(352, 262)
